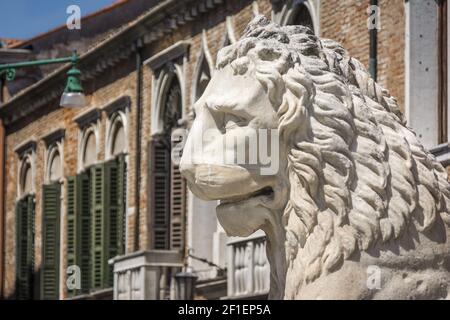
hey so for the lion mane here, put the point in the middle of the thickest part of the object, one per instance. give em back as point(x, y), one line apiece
point(358, 175)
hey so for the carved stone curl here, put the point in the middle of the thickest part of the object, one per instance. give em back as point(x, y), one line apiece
point(358, 209)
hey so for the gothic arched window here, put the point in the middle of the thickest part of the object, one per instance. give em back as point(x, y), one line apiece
point(301, 16)
point(96, 206)
point(203, 78)
point(168, 190)
point(172, 111)
point(26, 178)
point(25, 221)
point(51, 217)
point(297, 12)
point(90, 149)
point(54, 173)
point(117, 138)
point(118, 144)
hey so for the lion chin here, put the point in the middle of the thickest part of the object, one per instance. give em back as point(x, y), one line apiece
point(358, 209)
point(245, 199)
point(243, 218)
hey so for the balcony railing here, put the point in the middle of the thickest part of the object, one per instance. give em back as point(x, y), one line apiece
point(146, 275)
point(248, 268)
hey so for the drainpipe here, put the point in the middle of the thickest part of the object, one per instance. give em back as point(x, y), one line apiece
point(137, 193)
point(373, 32)
point(2, 199)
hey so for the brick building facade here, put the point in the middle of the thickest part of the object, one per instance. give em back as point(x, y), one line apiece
point(141, 78)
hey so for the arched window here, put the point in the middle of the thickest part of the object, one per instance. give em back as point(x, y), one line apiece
point(203, 69)
point(26, 178)
point(54, 166)
point(301, 16)
point(90, 149)
point(25, 221)
point(203, 73)
point(116, 139)
point(203, 78)
point(96, 206)
point(297, 12)
point(167, 187)
point(172, 111)
point(51, 218)
point(118, 145)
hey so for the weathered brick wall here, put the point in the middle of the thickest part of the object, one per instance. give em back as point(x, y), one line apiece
point(391, 49)
point(119, 81)
point(35, 130)
point(214, 25)
point(346, 22)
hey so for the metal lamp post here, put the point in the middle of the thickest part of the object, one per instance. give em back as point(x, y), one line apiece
point(72, 97)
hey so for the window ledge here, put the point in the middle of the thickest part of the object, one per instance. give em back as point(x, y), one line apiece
point(442, 153)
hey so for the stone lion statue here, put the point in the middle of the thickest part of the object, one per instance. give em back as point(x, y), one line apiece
point(358, 209)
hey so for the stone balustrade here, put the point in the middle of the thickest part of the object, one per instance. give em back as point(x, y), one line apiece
point(145, 275)
point(248, 268)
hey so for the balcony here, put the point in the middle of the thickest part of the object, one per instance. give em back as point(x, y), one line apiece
point(146, 275)
point(248, 268)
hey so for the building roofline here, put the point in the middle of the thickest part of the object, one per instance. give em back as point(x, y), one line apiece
point(89, 16)
point(86, 59)
point(151, 26)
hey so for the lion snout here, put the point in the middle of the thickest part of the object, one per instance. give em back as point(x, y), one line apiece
point(220, 181)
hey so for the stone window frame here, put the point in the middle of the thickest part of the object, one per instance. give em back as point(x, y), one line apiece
point(26, 157)
point(88, 122)
point(166, 65)
point(117, 113)
point(54, 143)
point(284, 11)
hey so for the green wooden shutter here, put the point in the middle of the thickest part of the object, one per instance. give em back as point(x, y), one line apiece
point(84, 235)
point(25, 248)
point(99, 231)
point(159, 187)
point(121, 203)
point(78, 227)
point(50, 241)
point(114, 206)
point(72, 225)
point(177, 201)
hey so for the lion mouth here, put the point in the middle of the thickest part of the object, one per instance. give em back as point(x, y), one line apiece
point(266, 194)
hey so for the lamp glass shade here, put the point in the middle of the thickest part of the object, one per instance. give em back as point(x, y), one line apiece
point(73, 100)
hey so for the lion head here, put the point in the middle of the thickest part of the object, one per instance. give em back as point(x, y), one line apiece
point(351, 175)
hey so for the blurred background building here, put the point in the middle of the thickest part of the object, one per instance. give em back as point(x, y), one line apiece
point(95, 187)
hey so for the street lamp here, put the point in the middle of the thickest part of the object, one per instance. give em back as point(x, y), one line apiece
point(185, 285)
point(72, 97)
